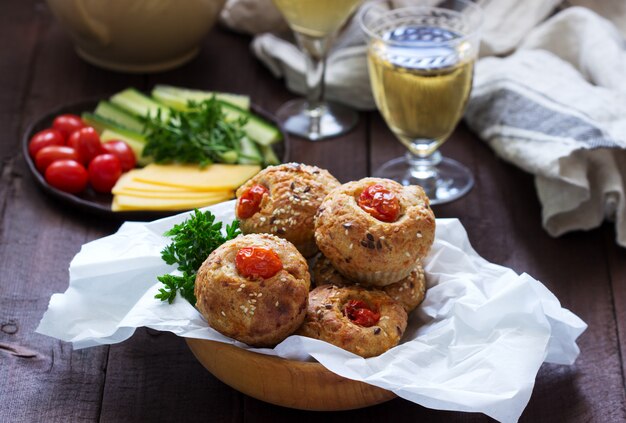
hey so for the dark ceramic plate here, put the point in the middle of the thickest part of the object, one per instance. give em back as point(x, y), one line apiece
point(100, 204)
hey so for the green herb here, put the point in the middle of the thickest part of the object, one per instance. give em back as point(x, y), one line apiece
point(201, 135)
point(193, 241)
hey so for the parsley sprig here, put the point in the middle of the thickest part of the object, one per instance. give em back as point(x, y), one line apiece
point(200, 135)
point(192, 241)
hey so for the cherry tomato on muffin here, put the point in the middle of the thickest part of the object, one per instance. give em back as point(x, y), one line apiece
point(257, 262)
point(86, 142)
point(358, 312)
point(250, 201)
point(43, 139)
point(123, 152)
point(67, 124)
point(47, 155)
point(380, 203)
point(104, 171)
point(67, 175)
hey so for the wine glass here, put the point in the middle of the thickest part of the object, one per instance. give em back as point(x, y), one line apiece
point(421, 64)
point(315, 24)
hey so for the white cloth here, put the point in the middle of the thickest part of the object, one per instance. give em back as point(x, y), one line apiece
point(554, 107)
point(557, 109)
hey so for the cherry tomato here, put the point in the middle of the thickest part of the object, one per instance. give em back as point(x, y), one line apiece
point(250, 201)
point(52, 153)
point(380, 203)
point(86, 142)
point(67, 175)
point(359, 312)
point(104, 171)
point(122, 151)
point(67, 124)
point(43, 139)
point(257, 262)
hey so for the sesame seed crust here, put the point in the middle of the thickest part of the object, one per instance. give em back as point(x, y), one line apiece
point(325, 320)
point(288, 210)
point(245, 309)
point(382, 253)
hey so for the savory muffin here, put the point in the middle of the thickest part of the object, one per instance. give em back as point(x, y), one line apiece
point(366, 323)
point(282, 200)
point(254, 289)
point(408, 292)
point(374, 230)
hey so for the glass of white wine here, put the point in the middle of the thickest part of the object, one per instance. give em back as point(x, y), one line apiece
point(421, 64)
point(315, 24)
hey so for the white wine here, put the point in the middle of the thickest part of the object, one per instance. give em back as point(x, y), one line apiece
point(421, 88)
point(316, 18)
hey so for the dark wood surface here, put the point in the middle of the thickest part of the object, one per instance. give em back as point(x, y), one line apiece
point(153, 376)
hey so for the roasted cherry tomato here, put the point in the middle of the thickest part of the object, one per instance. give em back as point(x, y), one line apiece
point(86, 142)
point(380, 203)
point(358, 312)
point(122, 151)
point(67, 124)
point(257, 262)
point(250, 202)
point(104, 171)
point(67, 175)
point(52, 153)
point(43, 139)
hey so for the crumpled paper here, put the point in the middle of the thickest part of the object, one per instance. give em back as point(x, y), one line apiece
point(475, 344)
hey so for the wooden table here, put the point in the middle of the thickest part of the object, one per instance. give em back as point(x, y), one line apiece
point(153, 376)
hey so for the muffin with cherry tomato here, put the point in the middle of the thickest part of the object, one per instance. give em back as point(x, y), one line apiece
point(366, 323)
point(282, 200)
point(374, 230)
point(408, 292)
point(254, 289)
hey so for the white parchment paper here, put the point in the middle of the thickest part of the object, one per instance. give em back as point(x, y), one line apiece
point(475, 344)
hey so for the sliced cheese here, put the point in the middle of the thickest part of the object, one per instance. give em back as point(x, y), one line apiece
point(130, 202)
point(127, 182)
point(216, 177)
point(177, 195)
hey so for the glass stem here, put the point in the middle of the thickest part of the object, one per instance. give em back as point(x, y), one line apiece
point(423, 167)
point(315, 50)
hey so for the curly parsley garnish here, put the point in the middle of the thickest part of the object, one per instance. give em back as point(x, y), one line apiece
point(200, 135)
point(193, 241)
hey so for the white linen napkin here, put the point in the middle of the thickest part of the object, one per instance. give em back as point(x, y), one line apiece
point(554, 107)
point(557, 109)
point(475, 344)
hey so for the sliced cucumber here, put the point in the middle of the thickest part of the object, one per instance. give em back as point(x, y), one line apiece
point(138, 104)
point(114, 113)
point(136, 142)
point(230, 157)
point(269, 157)
point(260, 130)
point(249, 152)
point(177, 98)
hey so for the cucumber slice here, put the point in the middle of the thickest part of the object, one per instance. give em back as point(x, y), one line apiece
point(138, 104)
point(249, 152)
point(135, 142)
point(113, 113)
point(269, 157)
point(260, 130)
point(177, 98)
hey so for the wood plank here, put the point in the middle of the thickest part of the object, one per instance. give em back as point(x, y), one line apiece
point(41, 379)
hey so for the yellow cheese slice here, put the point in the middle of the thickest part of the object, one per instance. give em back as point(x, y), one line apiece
point(216, 177)
point(127, 182)
point(176, 195)
point(129, 202)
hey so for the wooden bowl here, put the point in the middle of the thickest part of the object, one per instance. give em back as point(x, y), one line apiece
point(293, 384)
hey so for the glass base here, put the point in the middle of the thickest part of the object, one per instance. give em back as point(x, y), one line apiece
point(324, 120)
point(447, 181)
